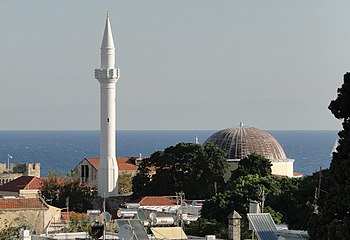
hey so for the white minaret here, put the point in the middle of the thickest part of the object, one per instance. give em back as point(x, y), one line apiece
point(108, 76)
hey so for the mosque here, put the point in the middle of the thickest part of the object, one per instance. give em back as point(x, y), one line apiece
point(242, 140)
point(239, 142)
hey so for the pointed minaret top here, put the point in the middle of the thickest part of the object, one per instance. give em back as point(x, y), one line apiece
point(107, 47)
point(107, 41)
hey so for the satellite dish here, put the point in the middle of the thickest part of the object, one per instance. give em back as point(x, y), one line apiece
point(105, 216)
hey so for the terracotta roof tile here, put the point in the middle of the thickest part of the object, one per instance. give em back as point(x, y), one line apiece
point(157, 201)
point(23, 182)
point(22, 203)
point(296, 174)
point(123, 163)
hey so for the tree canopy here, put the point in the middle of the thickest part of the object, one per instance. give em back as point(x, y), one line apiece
point(333, 219)
point(288, 200)
point(196, 170)
point(253, 164)
point(59, 191)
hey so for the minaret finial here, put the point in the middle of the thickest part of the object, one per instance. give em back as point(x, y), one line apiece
point(107, 13)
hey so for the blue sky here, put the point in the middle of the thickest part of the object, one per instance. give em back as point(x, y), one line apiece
point(184, 64)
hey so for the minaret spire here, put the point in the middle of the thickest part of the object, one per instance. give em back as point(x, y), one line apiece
point(107, 47)
point(108, 76)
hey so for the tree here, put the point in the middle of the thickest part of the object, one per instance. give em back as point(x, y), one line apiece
point(253, 164)
point(251, 181)
point(333, 220)
point(238, 196)
point(59, 191)
point(203, 227)
point(195, 170)
point(125, 183)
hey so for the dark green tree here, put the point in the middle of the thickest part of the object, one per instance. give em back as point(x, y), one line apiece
point(195, 170)
point(251, 181)
point(59, 191)
point(296, 200)
point(238, 196)
point(253, 164)
point(333, 220)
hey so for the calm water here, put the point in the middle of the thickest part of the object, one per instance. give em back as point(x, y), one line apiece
point(63, 150)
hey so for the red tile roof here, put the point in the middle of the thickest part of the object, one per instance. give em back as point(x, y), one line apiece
point(22, 183)
point(22, 203)
point(296, 174)
point(157, 201)
point(123, 163)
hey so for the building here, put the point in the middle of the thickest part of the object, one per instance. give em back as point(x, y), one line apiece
point(241, 141)
point(87, 170)
point(25, 186)
point(18, 169)
point(34, 213)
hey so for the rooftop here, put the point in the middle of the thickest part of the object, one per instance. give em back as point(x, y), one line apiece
point(157, 201)
point(22, 203)
point(124, 163)
point(22, 183)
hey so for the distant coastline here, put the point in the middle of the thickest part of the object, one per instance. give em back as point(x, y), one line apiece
point(63, 149)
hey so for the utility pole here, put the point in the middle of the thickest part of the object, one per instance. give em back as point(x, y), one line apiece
point(179, 210)
point(319, 184)
point(67, 205)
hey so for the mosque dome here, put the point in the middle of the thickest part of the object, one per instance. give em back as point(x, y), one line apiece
point(241, 141)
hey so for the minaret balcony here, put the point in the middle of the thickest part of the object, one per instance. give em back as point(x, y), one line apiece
point(107, 74)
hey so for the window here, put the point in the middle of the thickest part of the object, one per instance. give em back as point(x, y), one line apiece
point(84, 173)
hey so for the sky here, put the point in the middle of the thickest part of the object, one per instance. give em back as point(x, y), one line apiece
point(185, 64)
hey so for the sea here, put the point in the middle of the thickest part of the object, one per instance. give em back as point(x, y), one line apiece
point(63, 150)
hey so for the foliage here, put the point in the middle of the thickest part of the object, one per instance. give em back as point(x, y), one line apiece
point(238, 196)
point(297, 200)
point(125, 183)
point(277, 216)
point(59, 191)
point(288, 200)
point(248, 182)
point(204, 227)
point(332, 222)
point(79, 223)
point(10, 230)
point(253, 164)
point(195, 170)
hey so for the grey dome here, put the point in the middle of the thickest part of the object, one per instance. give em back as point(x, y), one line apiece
point(241, 141)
